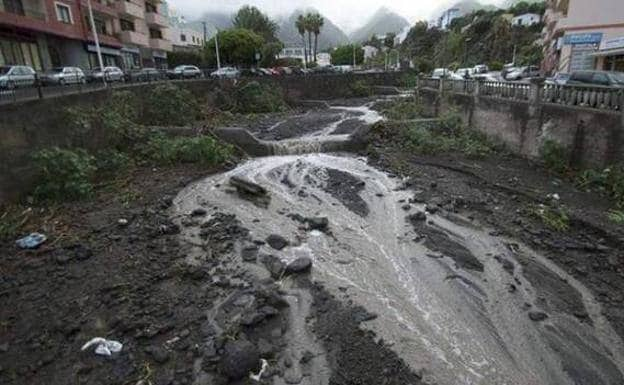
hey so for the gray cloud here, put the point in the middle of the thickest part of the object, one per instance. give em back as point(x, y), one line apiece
point(348, 14)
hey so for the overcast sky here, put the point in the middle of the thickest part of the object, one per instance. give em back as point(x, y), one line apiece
point(348, 14)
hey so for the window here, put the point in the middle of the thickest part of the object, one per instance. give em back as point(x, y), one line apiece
point(63, 13)
point(13, 6)
point(155, 33)
point(149, 7)
point(183, 37)
point(126, 25)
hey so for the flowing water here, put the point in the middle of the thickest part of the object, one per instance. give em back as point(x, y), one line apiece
point(454, 304)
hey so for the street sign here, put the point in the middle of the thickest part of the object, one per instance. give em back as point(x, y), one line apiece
point(583, 38)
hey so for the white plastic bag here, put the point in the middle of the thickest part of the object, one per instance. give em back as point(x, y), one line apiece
point(104, 347)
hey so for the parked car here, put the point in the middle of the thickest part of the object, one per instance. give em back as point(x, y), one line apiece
point(558, 79)
point(185, 72)
point(62, 76)
point(226, 73)
point(466, 73)
point(481, 69)
point(110, 74)
point(508, 68)
point(144, 75)
point(524, 73)
point(12, 77)
point(485, 77)
point(597, 78)
point(441, 73)
point(266, 71)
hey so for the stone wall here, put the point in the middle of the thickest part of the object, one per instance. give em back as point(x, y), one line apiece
point(593, 136)
point(29, 126)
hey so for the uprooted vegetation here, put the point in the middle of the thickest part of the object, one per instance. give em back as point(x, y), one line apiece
point(251, 97)
point(448, 134)
point(71, 173)
point(402, 109)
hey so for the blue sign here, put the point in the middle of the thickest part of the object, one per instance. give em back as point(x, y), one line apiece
point(583, 38)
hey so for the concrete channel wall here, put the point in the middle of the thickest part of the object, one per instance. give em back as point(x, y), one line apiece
point(26, 127)
point(588, 122)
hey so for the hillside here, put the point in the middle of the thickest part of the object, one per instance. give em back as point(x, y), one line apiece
point(216, 20)
point(382, 22)
point(331, 35)
point(465, 7)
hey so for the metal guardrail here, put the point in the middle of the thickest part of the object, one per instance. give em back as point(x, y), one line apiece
point(596, 97)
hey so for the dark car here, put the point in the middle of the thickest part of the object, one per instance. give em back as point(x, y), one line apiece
point(597, 78)
point(145, 75)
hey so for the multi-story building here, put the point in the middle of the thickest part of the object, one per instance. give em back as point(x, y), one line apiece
point(447, 17)
point(49, 33)
point(185, 36)
point(583, 34)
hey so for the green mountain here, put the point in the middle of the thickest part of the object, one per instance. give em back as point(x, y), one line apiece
point(331, 35)
point(384, 21)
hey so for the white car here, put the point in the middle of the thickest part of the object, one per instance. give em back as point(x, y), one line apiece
point(441, 73)
point(110, 74)
point(12, 77)
point(185, 72)
point(226, 72)
point(63, 76)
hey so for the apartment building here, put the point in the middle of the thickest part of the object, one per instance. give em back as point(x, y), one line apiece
point(49, 33)
point(583, 34)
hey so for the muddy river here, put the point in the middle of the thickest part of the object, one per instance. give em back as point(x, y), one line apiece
point(457, 302)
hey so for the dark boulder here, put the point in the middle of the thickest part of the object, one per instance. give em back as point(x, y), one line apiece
point(276, 241)
point(299, 265)
point(239, 359)
point(318, 223)
point(537, 316)
point(247, 187)
point(274, 265)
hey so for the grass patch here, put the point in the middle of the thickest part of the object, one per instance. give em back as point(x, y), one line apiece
point(12, 220)
point(360, 88)
point(403, 109)
point(445, 136)
point(554, 217)
point(555, 156)
point(201, 149)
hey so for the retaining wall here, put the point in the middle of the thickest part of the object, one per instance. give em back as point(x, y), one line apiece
point(26, 127)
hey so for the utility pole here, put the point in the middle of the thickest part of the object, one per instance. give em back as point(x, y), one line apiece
point(217, 49)
point(513, 61)
point(354, 56)
point(205, 32)
point(97, 41)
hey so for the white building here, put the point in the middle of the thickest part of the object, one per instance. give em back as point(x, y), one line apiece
point(185, 38)
point(369, 52)
point(526, 20)
point(447, 17)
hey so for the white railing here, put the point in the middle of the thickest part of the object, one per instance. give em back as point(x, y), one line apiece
point(604, 98)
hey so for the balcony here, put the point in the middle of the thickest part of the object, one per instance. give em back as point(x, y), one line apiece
point(103, 7)
point(127, 8)
point(160, 44)
point(156, 19)
point(132, 37)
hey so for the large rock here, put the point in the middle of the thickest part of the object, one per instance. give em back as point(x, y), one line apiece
point(318, 223)
point(276, 241)
point(299, 265)
point(274, 265)
point(239, 359)
point(247, 187)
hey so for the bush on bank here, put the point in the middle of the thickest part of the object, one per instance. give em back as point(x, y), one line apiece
point(170, 105)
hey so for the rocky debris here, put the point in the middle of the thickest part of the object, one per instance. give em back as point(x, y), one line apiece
point(277, 241)
point(274, 265)
point(346, 189)
point(299, 265)
point(239, 359)
point(158, 353)
point(537, 316)
point(199, 212)
point(318, 223)
point(250, 191)
point(419, 216)
point(249, 253)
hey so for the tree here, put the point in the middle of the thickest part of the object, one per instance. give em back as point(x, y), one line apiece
point(237, 46)
point(269, 53)
point(343, 55)
point(316, 24)
point(253, 19)
point(300, 24)
point(389, 40)
point(309, 28)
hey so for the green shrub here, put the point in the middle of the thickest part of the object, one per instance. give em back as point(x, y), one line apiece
point(496, 66)
point(451, 121)
point(431, 138)
point(616, 216)
point(254, 97)
point(110, 162)
point(201, 149)
point(609, 181)
point(409, 80)
point(168, 104)
point(403, 109)
point(555, 156)
point(63, 174)
point(360, 88)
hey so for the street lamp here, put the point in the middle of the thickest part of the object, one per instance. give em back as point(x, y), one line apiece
point(217, 49)
point(97, 41)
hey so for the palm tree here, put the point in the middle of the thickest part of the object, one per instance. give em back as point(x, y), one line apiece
point(309, 27)
point(300, 24)
point(317, 25)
